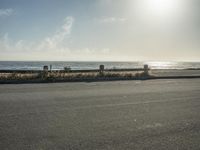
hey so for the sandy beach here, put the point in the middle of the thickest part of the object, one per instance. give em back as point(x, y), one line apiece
point(152, 114)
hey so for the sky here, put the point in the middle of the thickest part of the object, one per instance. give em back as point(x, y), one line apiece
point(100, 30)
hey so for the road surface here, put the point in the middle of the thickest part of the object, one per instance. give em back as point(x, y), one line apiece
point(174, 72)
point(121, 115)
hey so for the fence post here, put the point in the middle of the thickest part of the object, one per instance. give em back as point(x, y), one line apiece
point(101, 69)
point(146, 69)
point(67, 69)
point(45, 71)
point(50, 67)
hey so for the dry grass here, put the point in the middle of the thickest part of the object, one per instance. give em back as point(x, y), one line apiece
point(18, 76)
point(56, 75)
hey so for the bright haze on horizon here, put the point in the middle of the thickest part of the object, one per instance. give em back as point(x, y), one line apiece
point(100, 30)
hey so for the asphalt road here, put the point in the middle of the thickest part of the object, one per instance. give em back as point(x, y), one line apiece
point(121, 115)
point(174, 72)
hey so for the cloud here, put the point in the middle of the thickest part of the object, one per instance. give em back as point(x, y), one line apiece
point(94, 51)
point(6, 12)
point(54, 47)
point(53, 42)
point(110, 19)
point(56, 40)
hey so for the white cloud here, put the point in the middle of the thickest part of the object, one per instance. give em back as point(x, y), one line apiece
point(6, 12)
point(53, 47)
point(51, 43)
point(4, 42)
point(110, 19)
point(56, 40)
point(94, 51)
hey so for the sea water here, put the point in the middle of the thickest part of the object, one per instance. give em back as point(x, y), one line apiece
point(59, 65)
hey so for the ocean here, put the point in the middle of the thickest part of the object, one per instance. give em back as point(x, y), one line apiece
point(59, 65)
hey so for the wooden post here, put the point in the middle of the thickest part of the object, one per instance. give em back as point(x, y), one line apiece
point(50, 67)
point(67, 69)
point(101, 69)
point(45, 71)
point(45, 68)
point(146, 69)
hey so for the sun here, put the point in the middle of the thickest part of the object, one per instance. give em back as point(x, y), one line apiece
point(159, 8)
point(162, 7)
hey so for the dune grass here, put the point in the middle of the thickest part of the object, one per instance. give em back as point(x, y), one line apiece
point(18, 76)
point(57, 75)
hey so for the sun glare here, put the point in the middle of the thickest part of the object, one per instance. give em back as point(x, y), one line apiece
point(160, 8)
